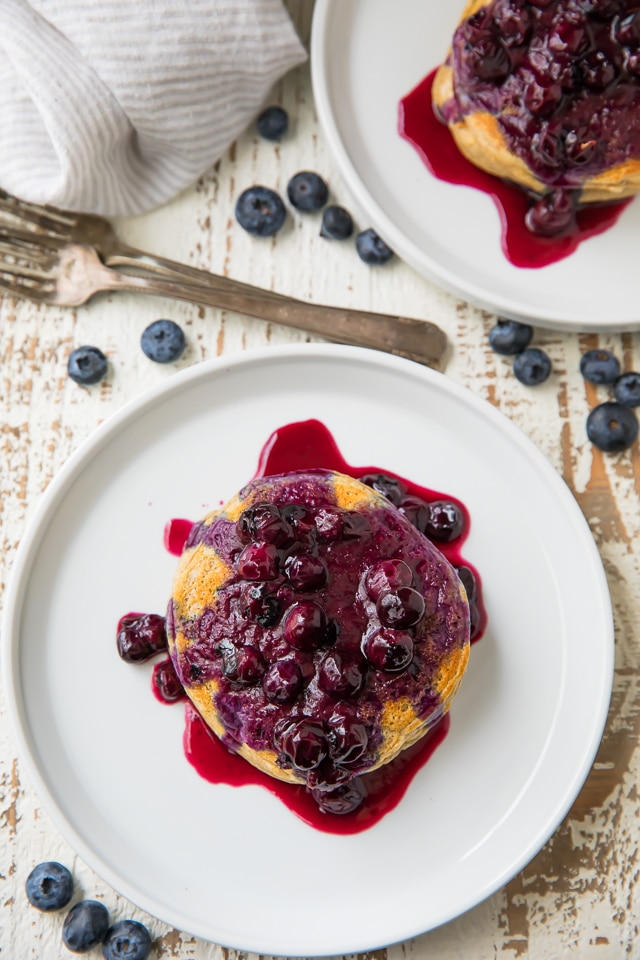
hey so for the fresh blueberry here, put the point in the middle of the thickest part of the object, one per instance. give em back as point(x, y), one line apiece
point(532, 366)
point(273, 123)
point(372, 248)
point(163, 341)
point(87, 365)
point(626, 389)
point(260, 211)
point(612, 427)
point(337, 223)
point(599, 366)
point(127, 940)
point(85, 926)
point(509, 337)
point(307, 191)
point(49, 886)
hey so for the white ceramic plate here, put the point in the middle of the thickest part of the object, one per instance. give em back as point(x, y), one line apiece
point(365, 56)
point(233, 865)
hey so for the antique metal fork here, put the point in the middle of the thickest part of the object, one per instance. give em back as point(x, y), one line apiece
point(57, 257)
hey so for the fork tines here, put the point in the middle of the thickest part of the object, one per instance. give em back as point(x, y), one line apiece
point(35, 217)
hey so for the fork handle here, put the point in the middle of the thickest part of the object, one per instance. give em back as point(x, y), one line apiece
point(418, 340)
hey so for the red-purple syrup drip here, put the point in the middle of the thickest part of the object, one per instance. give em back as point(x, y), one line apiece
point(385, 787)
point(302, 446)
point(432, 139)
point(175, 535)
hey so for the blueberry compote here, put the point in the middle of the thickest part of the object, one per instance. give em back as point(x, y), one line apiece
point(299, 681)
point(562, 79)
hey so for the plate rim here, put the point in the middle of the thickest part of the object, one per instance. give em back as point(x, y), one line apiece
point(35, 531)
point(425, 266)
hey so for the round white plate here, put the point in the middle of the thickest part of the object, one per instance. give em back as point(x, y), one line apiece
point(233, 865)
point(365, 56)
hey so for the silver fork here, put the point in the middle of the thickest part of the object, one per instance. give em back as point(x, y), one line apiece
point(57, 257)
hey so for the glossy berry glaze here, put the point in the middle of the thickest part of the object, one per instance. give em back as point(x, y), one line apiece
point(292, 448)
point(561, 76)
point(432, 139)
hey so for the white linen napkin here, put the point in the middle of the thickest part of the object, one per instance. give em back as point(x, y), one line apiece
point(113, 106)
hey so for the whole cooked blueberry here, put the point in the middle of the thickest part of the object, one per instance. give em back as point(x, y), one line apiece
point(468, 580)
point(258, 561)
point(304, 625)
point(307, 191)
point(87, 365)
point(166, 682)
point(532, 366)
point(347, 736)
point(337, 223)
point(342, 800)
point(85, 926)
point(163, 341)
point(372, 248)
point(282, 682)
point(260, 604)
point(127, 940)
point(386, 576)
point(599, 366)
point(341, 673)
point(305, 571)
point(390, 487)
point(612, 427)
point(553, 214)
point(140, 636)
point(446, 521)
point(416, 510)
point(263, 521)
point(389, 650)
point(49, 886)
point(260, 211)
point(243, 665)
point(273, 123)
point(509, 337)
point(402, 608)
point(305, 744)
point(626, 389)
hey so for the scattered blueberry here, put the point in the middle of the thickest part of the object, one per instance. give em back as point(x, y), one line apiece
point(127, 940)
point(508, 337)
point(49, 886)
point(307, 191)
point(626, 389)
point(532, 366)
point(612, 427)
point(599, 366)
point(273, 123)
point(87, 365)
point(260, 211)
point(372, 248)
point(163, 341)
point(337, 223)
point(85, 926)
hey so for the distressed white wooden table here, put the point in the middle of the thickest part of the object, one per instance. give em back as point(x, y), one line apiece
point(580, 897)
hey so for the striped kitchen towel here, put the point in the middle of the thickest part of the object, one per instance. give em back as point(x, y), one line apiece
point(114, 106)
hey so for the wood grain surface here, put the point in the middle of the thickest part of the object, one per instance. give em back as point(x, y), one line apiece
point(579, 898)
